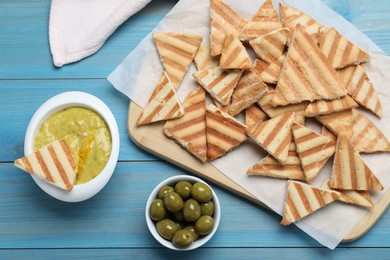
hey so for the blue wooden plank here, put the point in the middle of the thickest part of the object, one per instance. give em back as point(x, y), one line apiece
point(20, 99)
point(115, 217)
point(202, 253)
point(25, 53)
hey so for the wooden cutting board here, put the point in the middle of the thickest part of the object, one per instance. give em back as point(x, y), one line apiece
point(152, 139)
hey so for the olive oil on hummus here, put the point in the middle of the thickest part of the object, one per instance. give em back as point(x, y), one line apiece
point(86, 134)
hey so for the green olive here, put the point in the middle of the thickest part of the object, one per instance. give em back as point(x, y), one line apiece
point(207, 208)
point(201, 192)
point(182, 238)
point(157, 210)
point(183, 188)
point(180, 225)
point(166, 228)
point(195, 234)
point(173, 202)
point(204, 225)
point(163, 191)
point(191, 210)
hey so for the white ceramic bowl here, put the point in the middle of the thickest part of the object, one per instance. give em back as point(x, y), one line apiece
point(152, 226)
point(55, 104)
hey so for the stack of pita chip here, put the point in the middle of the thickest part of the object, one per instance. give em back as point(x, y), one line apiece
point(303, 69)
point(52, 163)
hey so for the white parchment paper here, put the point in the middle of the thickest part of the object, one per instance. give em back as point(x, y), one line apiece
point(140, 71)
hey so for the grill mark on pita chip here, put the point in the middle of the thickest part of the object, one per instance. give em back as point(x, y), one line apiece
point(163, 105)
point(52, 163)
point(218, 83)
point(303, 199)
point(269, 47)
point(259, 66)
point(253, 114)
point(176, 53)
point(349, 170)
point(345, 75)
point(269, 166)
point(265, 20)
point(313, 149)
point(362, 90)
point(189, 131)
point(203, 59)
point(234, 54)
point(274, 135)
point(224, 20)
point(247, 92)
point(340, 51)
point(224, 132)
point(323, 107)
point(271, 74)
point(340, 122)
point(367, 138)
point(301, 68)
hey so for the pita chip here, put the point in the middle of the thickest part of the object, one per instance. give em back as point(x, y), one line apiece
point(52, 163)
point(340, 122)
point(339, 50)
point(234, 54)
point(224, 132)
point(254, 114)
point(345, 75)
point(176, 50)
point(362, 90)
point(303, 199)
point(271, 74)
point(163, 104)
point(203, 59)
point(270, 167)
point(265, 20)
point(306, 73)
point(323, 107)
point(367, 138)
point(190, 130)
point(274, 135)
point(313, 149)
point(259, 66)
point(249, 89)
point(218, 83)
point(349, 170)
point(326, 132)
point(224, 20)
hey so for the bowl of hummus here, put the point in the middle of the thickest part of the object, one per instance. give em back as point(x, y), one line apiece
point(90, 131)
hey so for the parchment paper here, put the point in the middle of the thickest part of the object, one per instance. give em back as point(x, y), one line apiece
point(140, 71)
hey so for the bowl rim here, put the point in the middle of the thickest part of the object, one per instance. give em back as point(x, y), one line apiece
point(152, 227)
point(60, 102)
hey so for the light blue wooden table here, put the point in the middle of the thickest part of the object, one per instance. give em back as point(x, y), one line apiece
point(111, 225)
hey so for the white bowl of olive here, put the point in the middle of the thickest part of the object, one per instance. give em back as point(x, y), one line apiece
point(183, 212)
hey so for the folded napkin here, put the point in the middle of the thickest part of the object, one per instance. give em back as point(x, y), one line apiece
point(79, 28)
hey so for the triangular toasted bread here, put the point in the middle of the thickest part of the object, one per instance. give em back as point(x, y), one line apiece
point(326, 132)
point(306, 73)
point(362, 90)
point(254, 114)
point(176, 50)
point(274, 135)
point(218, 83)
point(269, 47)
point(249, 89)
point(265, 104)
point(349, 170)
point(313, 149)
point(291, 17)
point(366, 137)
point(270, 167)
point(340, 122)
point(324, 107)
point(303, 199)
point(163, 103)
point(360, 198)
point(52, 163)
point(224, 20)
point(234, 54)
point(259, 66)
point(271, 74)
point(265, 20)
point(203, 59)
point(190, 130)
point(345, 75)
point(223, 108)
point(339, 50)
point(224, 132)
